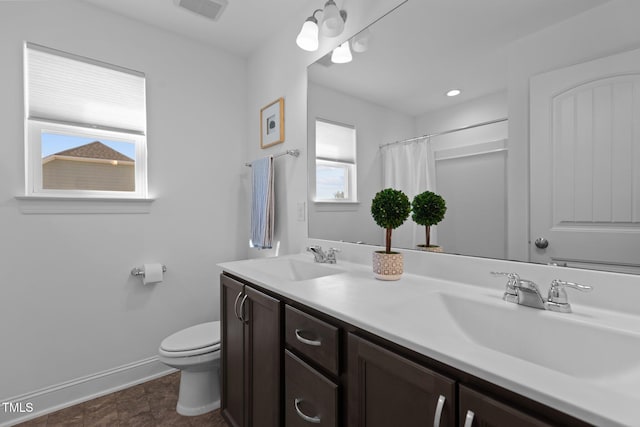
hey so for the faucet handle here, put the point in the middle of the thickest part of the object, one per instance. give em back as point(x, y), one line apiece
point(558, 300)
point(331, 255)
point(510, 292)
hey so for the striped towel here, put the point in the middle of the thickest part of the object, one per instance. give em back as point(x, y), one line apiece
point(262, 203)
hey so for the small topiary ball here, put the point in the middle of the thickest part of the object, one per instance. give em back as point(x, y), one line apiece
point(428, 208)
point(390, 208)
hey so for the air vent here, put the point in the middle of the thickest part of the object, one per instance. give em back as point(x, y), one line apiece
point(211, 9)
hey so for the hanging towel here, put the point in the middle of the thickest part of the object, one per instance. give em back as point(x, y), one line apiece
point(262, 203)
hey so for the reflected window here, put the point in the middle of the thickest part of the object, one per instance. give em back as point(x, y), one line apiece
point(335, 162)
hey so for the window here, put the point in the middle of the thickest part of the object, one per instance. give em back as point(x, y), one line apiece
point(85, 125)
point(335, 162)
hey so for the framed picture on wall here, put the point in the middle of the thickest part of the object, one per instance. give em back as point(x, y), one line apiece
point(272, 124)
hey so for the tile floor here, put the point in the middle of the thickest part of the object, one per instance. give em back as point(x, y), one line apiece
point(151, 404)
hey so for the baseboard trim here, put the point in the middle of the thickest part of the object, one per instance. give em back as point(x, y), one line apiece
point(63, 395)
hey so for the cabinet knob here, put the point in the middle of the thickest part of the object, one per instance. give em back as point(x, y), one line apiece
point(313, 420)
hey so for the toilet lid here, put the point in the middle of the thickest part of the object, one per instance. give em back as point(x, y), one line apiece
point(193, 338)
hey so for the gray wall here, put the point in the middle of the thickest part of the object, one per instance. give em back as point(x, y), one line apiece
point(69, 307)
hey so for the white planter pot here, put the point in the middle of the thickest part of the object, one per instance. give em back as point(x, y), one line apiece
point(388, 266)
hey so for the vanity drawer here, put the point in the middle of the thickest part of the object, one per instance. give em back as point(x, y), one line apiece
point(313, 338)
point(310, 398)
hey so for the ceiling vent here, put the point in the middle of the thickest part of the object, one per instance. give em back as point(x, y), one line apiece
point(211, 9)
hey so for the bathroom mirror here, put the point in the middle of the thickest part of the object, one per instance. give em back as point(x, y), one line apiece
point(395, 89)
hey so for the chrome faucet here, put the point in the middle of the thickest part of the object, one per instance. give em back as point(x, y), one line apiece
point(320, 256)
point(526, 292)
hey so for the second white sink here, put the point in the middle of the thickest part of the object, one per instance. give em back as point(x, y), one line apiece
point(554, 340)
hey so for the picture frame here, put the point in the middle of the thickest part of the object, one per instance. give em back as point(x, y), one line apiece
point(272, 124)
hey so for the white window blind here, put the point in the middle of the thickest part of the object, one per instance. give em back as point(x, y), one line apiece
point(66, 88)
point(336, 142)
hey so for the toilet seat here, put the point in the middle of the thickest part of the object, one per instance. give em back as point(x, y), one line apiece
point(195, 340)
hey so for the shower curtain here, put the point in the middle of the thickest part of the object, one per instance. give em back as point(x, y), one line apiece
point(408, 167)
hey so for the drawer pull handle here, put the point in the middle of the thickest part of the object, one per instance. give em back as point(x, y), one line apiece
point(438, 417)
point(315, 343)
point(468, 421)
point(313, 420)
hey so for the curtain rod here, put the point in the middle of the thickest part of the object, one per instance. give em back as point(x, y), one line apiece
point(490, 122)
point(294, 153)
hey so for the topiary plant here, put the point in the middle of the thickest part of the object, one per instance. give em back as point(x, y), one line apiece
point(390, 208)
point(428, 209)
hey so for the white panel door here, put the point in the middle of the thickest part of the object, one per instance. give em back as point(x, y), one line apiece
point(585, 164)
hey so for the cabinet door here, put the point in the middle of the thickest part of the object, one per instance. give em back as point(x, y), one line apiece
point(386, 389)
point(232, 352)
point(263, 347)
point(479, 410)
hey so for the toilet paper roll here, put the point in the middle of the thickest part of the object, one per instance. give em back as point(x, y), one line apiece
point(152, 273)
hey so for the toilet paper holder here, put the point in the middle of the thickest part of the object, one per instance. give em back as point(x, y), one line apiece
point(139, 271)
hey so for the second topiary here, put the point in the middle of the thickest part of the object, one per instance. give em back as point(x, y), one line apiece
point(428, 209)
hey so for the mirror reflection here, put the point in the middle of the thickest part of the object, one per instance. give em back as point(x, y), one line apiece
point(517, 184)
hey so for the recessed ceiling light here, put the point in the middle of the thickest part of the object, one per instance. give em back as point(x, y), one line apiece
point(453, 92)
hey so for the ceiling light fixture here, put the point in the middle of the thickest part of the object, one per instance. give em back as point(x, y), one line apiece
point(453, 92)
point(342, 54)
point(332, 25)
point(360, 42)
point(308, 37)
point(332, 20)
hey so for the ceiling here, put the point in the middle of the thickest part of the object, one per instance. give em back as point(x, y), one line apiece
point(434, 45)
point(242, 27)
point(438, 45)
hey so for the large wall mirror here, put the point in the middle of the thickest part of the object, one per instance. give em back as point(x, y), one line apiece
point(538, 157)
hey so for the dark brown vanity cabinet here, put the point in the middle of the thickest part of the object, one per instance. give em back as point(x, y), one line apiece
point(284, 364)
point(251, 355)
point(386, 389)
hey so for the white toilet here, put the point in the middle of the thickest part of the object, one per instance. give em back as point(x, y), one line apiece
point(196, 352)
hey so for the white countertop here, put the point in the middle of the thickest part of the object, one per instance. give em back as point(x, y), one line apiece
point(410, 313)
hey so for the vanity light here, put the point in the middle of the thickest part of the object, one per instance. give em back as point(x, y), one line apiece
point(341, 54)
point(332, 19)
point(360, 42)
point(453, 92)
point(308, 37)
point(332, 25)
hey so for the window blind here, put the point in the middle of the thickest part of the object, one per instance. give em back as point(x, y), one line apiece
point(67, 88)
point(335, 142)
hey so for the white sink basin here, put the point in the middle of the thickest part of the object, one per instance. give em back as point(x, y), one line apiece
point(556, 341)
point(296, 270)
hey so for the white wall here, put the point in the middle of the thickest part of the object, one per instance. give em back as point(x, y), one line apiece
point(68, 305)
point(602, 31)
point(278, 69)
point(374, 125)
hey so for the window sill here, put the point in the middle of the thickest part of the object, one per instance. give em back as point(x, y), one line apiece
point(76, 205)
point(337, 206)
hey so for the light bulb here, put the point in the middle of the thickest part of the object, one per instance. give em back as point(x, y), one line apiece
point(332, 23)
point(360, 42)
point(341, 54)
point(308, 37)
point(453, 92)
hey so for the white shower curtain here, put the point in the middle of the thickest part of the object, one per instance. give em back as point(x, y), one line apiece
point(406, 167)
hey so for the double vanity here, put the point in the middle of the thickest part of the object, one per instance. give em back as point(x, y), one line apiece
point(307, 343)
